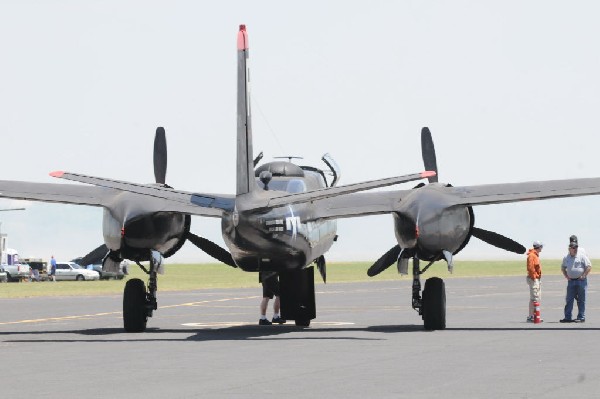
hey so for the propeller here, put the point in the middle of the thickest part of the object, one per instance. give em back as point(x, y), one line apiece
point(428, 152)
point(498, 240)
point(160, 155)
point(212, 249)
point(495, 239)
point(388, 259)
point(94, 257)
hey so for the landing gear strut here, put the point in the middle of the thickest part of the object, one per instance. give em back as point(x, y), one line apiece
point(139, 303)
point(432, 306)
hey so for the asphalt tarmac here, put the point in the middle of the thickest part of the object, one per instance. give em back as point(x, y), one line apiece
point(366, 342)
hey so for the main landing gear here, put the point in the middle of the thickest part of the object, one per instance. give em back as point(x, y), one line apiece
point(298, 296)
point(139, 303)
point(432, 306)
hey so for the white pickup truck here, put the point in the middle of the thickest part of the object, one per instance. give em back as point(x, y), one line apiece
point(17, 271)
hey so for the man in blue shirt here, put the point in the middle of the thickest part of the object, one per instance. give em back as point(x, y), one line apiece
point(575, 267)
point(52, 268)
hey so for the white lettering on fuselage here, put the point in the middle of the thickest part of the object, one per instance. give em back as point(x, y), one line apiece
point(292, 223)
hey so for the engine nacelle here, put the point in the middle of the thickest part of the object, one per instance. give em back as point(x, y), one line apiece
point(134, 238)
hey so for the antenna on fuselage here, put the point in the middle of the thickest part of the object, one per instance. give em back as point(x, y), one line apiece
point(289, 157)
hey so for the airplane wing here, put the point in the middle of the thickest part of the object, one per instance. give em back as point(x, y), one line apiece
point(226, 202)
point(194, 203)
point(58, 193)
point(364, 204)
point(94, 196)
point(526, 191)
point(310, 196)
point(358, 204)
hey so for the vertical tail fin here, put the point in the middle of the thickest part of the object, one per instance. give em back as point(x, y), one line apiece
point(245, 168)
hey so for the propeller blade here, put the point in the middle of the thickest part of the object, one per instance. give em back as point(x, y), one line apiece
point(95, 257)
point(322, 267)
point(388, 259)
point(160, 155)
point(498, 240)
point(448, 257)
point(212, 249)
point(428, 152)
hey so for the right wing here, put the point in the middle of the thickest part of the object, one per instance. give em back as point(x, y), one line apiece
point(486, 194)
point(358, 204)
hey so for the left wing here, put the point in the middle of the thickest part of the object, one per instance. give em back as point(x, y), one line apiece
point(217, 202)
point(105, 197)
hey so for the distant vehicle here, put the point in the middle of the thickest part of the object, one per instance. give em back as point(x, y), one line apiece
point(3, 276)
point(16, 271)
point(105, 275)
point(38, 264)
point(72, 271)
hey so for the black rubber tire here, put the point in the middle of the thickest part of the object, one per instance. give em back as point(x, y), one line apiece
point(80, 278)
point(8, 277)
point(434, 304)
point(302, 323)
point(134, 306)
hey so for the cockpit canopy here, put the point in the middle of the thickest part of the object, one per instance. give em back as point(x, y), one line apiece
point(280, 168)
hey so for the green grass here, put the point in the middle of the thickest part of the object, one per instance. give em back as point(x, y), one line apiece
point(184, 277)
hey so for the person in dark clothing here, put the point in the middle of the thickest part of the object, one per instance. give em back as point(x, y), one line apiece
point(270, 285)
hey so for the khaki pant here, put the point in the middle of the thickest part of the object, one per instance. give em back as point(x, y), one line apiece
point(535, 292)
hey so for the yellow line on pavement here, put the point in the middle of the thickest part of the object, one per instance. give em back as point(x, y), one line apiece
point(87, 316)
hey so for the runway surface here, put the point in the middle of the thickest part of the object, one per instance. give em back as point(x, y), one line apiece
point(366, 342)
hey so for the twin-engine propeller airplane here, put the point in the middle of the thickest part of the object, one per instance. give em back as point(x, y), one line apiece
point(282, 218)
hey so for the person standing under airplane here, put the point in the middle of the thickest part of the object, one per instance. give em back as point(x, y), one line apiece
point(270, 286)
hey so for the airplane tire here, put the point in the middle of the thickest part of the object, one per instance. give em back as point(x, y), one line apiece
point(434, 304)
point(134, 306)
point(302, 323)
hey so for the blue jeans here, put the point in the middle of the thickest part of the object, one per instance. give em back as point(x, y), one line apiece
point(576, 289)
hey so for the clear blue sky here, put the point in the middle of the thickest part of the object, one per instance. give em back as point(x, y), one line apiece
point(510, 90)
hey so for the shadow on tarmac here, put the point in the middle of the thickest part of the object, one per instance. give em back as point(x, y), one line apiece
point(250, 332)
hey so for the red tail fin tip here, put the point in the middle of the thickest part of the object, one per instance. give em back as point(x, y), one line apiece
point(242, 39)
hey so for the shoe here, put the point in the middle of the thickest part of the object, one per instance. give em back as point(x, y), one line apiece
point(264, 322)
point(580, 320)
point(567, 321)
point(278, 320)
point(530, 319)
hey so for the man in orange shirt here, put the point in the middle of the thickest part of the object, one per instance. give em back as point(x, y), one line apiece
point(534, 274)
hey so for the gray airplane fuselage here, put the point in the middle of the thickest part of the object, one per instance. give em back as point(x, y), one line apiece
point(278, 238)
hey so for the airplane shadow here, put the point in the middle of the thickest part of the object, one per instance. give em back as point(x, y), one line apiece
point(233, 333)
point(251, 332)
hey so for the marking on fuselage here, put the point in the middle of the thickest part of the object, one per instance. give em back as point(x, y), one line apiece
point(292, 222)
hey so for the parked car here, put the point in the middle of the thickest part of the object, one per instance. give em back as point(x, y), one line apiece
point(16, 271)
point(72, 271)
point(108, 275)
